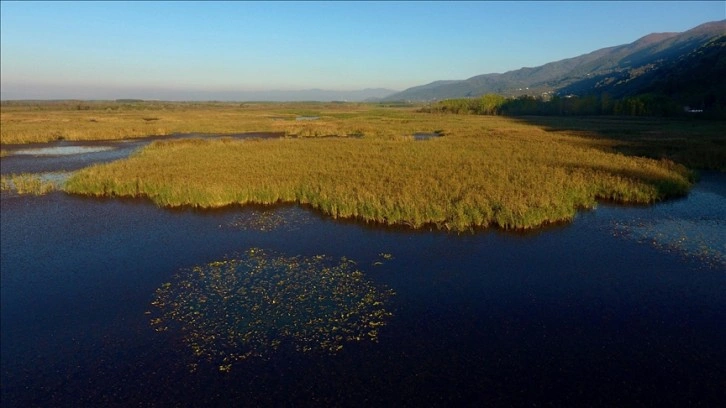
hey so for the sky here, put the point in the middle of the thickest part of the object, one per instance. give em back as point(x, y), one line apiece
point(110, 50)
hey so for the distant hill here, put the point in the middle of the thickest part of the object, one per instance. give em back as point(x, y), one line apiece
point(643, 65)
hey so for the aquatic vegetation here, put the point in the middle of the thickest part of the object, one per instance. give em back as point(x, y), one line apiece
point(694, 143)
point(33, 184)
point(258, 221)
point(486, 172)
point(383, 256)
point(34, 122)
point(705, 240)
point(269, 220)
point(251, 305)
point(692, 231)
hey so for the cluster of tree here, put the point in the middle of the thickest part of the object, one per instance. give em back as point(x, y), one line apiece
point(490, 104)
point(638, 105)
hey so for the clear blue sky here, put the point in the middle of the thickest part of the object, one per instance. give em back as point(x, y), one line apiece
point(72, 49)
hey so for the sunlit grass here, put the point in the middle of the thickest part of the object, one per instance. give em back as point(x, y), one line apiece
point(694, 143)
point(32, 184)
point(27, 123)
point(485, 171)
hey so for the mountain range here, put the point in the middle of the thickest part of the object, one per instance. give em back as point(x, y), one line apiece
point(685, 65)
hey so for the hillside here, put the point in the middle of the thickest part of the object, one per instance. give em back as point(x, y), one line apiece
point(596, 72)
point(696, 79)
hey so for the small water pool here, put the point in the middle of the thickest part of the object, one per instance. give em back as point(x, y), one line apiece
point(62, 150)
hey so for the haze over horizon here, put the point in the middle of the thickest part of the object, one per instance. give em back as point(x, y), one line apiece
point(221, 50)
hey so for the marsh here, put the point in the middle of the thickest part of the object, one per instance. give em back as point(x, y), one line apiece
point(620, 305)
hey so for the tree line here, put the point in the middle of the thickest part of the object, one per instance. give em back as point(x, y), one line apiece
point(638, 105)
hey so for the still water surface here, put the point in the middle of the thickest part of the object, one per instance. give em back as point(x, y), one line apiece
point(623, 306)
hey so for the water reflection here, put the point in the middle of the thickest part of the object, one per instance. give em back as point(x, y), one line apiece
point(61, 150)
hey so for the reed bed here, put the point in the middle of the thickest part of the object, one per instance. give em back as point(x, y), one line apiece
point(31, 126)
point(32, 184)
point(485, 171)
point(29, 123)
point(694, 143)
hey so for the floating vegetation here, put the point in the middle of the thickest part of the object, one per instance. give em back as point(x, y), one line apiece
point(701, 235)
point(383, 256)
point(703, 240)
point(234, 309)
point(386, 256)
point(271, 219)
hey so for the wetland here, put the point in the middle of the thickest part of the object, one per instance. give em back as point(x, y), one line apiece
point(123, 298)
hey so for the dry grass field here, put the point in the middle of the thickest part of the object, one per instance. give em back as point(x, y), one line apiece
point(47, 121)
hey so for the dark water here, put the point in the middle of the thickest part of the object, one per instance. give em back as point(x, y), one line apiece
point(625, 306)
point(426, 135)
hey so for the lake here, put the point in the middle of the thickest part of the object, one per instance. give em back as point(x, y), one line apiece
point(623, 306)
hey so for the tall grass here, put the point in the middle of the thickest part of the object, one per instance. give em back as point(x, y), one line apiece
point(695, 143)
point(28, 184)
point(486, 171)
point(28, 123)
